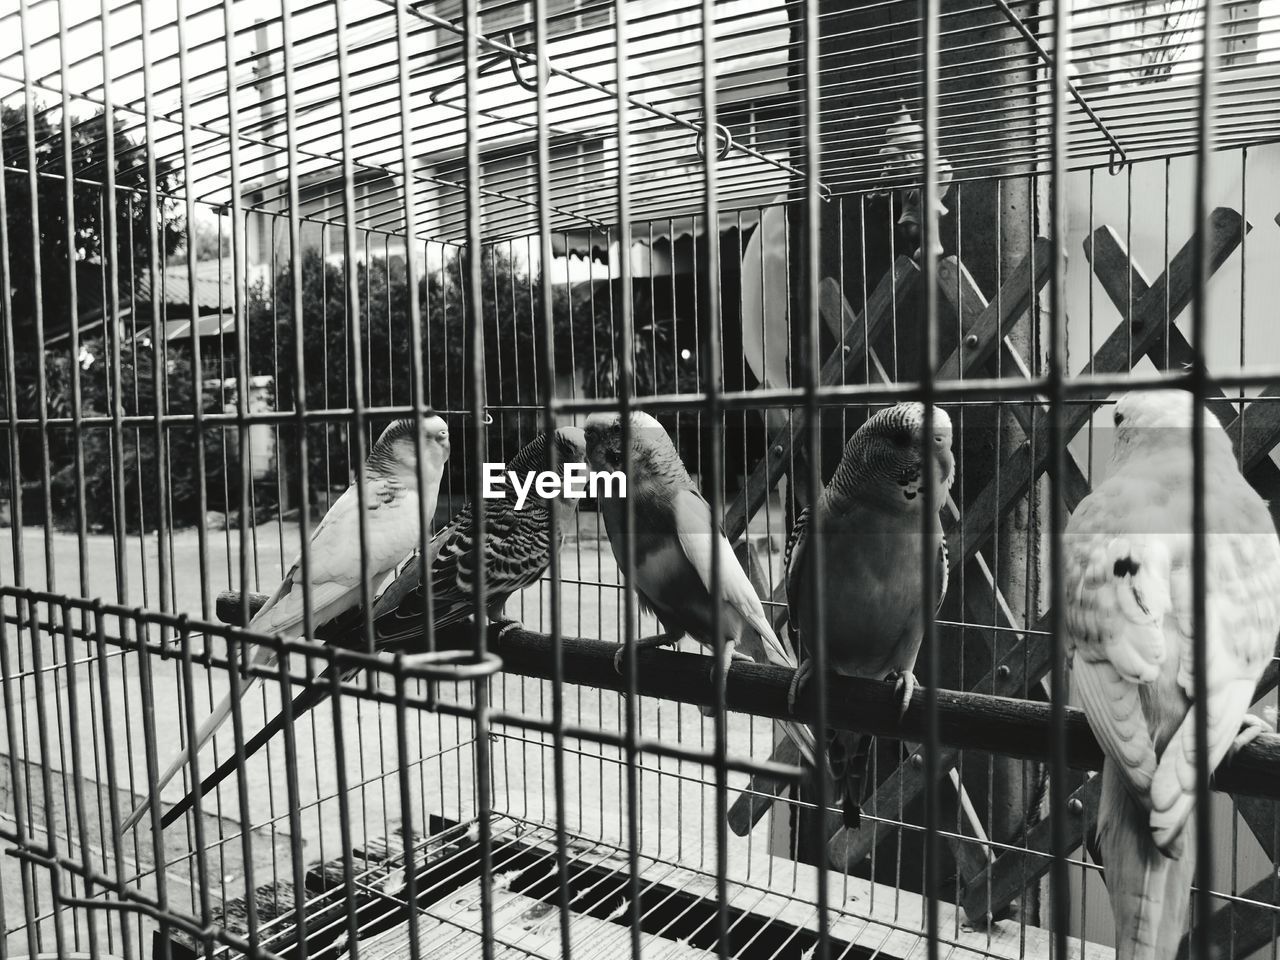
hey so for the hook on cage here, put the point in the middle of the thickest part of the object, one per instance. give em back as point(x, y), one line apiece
point(1116, 162)
point(724, 139)
point(450, 665)
point(530, 85)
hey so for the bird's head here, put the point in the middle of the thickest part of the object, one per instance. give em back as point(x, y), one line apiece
point(396, 453)
point(571, 447)
point(888, 455)
point(1161, 420)
point(651, 448)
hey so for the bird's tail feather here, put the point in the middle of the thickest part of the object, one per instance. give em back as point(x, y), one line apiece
point(310, 697)
point(847, 753)
point(1149, 891)
point(204, 733)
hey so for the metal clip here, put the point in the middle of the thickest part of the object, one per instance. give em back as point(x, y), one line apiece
point(1116, 162)
point(723, 137)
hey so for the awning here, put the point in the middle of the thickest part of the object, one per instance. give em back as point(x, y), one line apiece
point(602, 244)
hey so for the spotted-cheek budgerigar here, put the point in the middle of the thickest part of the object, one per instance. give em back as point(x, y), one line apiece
point(392, 520)
point(869, 525)
point(1128, 551)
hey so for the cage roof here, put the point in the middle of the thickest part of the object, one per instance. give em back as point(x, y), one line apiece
point(214, 108)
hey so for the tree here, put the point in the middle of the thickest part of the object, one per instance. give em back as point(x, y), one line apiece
point(141, 469)
point(87, 258)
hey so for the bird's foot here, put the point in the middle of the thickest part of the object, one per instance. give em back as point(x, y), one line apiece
point(508, 626)
point(904, 684)
point(1250, 728)
point(730, 654)
point(644, 643)
point(798, 678)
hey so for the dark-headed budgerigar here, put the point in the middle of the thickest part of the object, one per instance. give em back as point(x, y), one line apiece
point(870, 529)
point(674, 535)
point(517, 550)
point(392, 519)
point(1129, 621)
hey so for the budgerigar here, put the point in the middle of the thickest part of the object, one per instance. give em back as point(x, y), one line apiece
point(674, 534)
point(1129, 621)
point(518, 545)
point(870, 529)
point(392, 519)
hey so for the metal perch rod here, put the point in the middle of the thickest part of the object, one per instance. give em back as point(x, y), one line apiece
point(967, 721)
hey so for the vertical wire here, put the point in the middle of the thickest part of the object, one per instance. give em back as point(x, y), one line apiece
point(1201, 941)
point(416, 388)
point(548, 391)
point(197, 361)
point(109, 758)
point(234, 646)
point(37, 656)
point(304, 466)
point(355, 353)
point(930, 13)
point(712, 473)
point(159, 373)
point(475, 305)
point(197, 410)
point(189, 711)
point(1059, 890)
point(37, 286)
point(73, 325)
point(17, 770)
point(815, 592)
point(625, 388)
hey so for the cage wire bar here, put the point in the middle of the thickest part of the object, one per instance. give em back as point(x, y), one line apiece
point(240, 239)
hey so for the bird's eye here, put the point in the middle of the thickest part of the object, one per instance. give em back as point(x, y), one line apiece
point(1118, 417)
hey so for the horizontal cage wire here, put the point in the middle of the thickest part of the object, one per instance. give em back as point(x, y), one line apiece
point(376, 374)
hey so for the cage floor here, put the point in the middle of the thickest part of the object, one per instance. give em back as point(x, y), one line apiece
point(770, 909)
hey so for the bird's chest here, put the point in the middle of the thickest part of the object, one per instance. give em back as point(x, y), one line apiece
point(393, 521)
point(873, 597)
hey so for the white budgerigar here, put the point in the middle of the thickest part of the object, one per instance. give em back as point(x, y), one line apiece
point(1129, 623)
point(518, 545)
point(392, 519)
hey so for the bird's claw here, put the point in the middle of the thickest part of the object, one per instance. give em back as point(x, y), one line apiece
point(798, 678)
point(508, 626)
point(617, 657)
point(1250, 728)
point(904, 684)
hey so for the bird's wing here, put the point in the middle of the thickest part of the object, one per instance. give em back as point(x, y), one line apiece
point(336, 564)
point(695, 531)
point(515, 553)
point(944, 573)
point(1242, 615)
point(1118, 596)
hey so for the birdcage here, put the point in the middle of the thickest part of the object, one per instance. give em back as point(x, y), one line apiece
point(239, 239)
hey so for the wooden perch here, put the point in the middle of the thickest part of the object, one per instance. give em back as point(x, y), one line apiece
point(968, 721)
